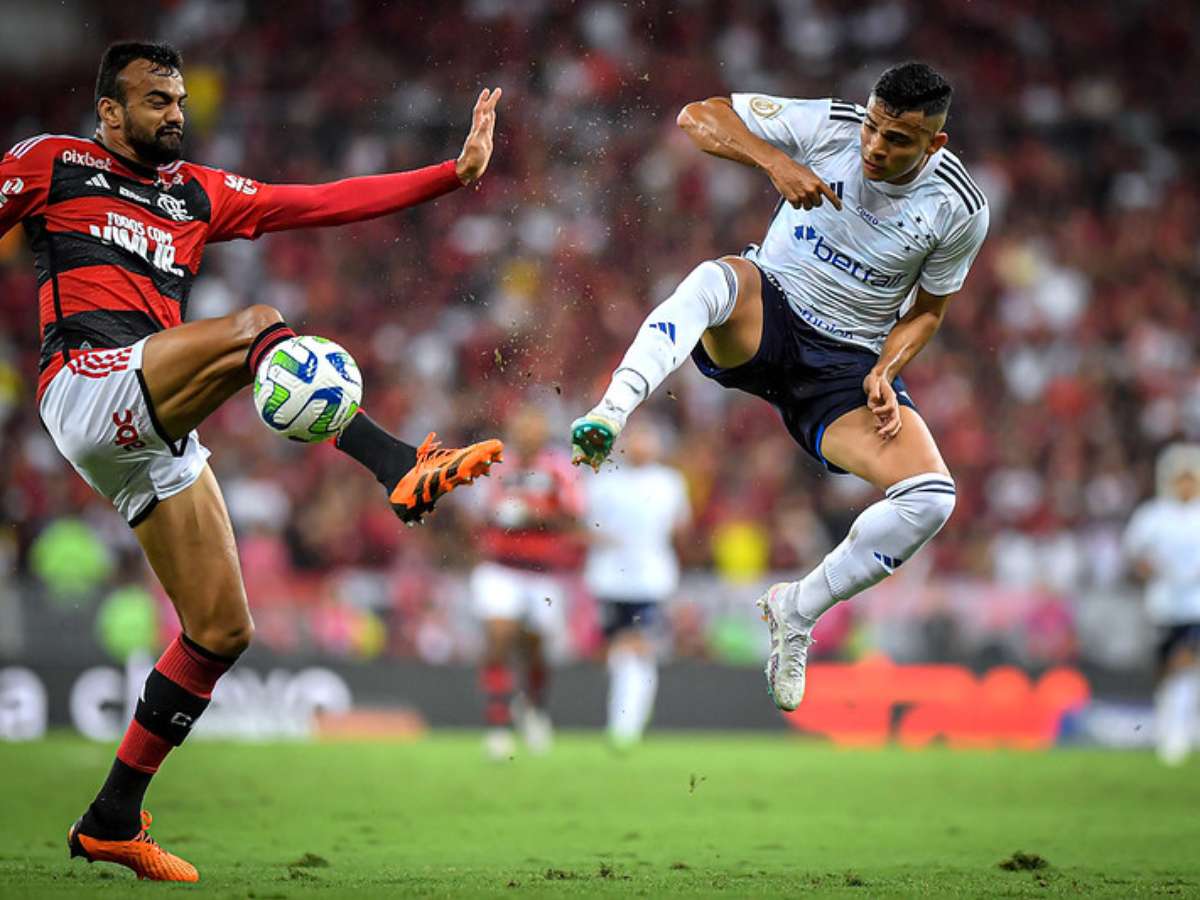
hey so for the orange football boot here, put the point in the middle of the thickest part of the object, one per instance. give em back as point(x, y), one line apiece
point(438, 472)
point(140, 853)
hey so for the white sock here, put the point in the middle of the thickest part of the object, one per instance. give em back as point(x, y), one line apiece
point(633, 682)
point(1175, 709)
point(703, 300)
point(881, 539)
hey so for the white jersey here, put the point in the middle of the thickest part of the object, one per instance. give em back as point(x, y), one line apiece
point(1166, 534)
point(849, 273)
point(631, 514)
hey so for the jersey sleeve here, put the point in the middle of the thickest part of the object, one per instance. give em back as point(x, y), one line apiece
point(946, 268)
point(794, 126)
point(24, 182)
point(244, 208)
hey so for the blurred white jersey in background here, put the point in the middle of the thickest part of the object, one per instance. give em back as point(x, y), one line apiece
point(631, 514)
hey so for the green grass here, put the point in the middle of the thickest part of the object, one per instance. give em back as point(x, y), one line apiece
point(711, 815)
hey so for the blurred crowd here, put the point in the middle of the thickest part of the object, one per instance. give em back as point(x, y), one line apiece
point(1066, 362)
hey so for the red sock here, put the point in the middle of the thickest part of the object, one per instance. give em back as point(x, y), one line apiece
point(177, 691)
point(497, 682)
point(266, 341)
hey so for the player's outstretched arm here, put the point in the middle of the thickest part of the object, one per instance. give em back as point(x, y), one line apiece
point(248, 209)
point(905, 341)
point(716, 128)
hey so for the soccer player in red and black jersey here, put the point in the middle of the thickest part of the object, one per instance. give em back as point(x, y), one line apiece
point(117, 225)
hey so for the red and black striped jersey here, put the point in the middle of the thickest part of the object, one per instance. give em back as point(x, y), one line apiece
point(117, 245)
point(533, 508)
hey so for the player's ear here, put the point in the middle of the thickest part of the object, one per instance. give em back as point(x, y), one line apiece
point(937, 142)
point(110, 112)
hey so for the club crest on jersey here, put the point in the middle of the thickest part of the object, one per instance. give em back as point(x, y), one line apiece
point(174, 207)
point(830, 255)
point(765, 107)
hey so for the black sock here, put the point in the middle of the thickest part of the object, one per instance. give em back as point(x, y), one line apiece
point(383, 454)
point(116, 813)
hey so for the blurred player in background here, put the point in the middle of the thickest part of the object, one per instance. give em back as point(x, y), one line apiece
point(1162, 543)
point(635, 510)
point(117, 224)
point(876, 228)
point(529, 541)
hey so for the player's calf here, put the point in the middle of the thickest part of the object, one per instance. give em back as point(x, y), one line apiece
point(881, 540)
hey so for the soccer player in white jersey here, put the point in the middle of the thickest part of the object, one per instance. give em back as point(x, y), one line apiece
point(876, 229)
point(634, 511)
point(1162, 543)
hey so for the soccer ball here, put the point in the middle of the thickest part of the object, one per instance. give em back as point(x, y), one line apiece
point(307, 388)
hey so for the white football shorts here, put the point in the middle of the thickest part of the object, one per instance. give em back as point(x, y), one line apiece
point(98, 411)
point(536, 599)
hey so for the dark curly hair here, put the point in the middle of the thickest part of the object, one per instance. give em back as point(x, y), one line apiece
point(913, 85)
point(119, 55)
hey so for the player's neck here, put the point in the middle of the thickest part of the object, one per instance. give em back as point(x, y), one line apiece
point(119, 147)
point(912, 174)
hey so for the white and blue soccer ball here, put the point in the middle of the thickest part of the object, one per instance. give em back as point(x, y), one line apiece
point(307, 388)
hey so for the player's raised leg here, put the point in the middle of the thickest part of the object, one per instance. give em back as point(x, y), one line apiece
point(719, 301)
point(192, 369)
point(189, 543)
point(918, 500)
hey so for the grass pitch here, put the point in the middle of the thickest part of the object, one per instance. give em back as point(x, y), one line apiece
point(710, 815)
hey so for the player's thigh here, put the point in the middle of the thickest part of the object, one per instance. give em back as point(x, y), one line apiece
point(192, 369)
point(188, 541)
point(851, 443)
point(736, 340)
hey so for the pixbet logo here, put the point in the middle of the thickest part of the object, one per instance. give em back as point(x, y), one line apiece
point(75, 158)
point(127, 435)
point(12, 186)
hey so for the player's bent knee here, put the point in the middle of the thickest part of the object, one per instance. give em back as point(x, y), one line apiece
point(225, 640)
point(925, 501)
point(252, 321)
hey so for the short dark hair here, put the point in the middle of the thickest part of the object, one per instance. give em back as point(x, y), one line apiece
point(121, 54)
point(913, 85)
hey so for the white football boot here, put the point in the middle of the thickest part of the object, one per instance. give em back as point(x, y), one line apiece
point(791, 636)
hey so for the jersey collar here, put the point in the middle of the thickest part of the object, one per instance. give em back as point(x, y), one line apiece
point(133, 166)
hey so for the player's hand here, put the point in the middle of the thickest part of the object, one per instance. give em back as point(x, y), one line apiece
point(882, 402)
point(477, 151)
point(799, 185)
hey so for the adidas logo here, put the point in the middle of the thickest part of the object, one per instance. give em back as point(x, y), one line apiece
point(667, 328)
point(99, 181)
